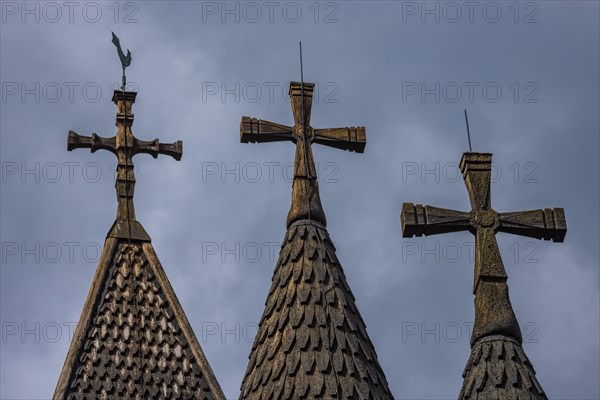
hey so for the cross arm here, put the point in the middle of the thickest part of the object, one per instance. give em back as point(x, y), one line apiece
point(419, 220)
point(350, 138)
point(94, 142)
point(254, 130)
point(154, 148)
point(547, 224)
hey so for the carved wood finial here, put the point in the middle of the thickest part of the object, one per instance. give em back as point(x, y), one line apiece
point(493, 311)
point(125, 145)
point(306, 203)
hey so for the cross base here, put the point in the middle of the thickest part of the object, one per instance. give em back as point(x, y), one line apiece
point(128, 230)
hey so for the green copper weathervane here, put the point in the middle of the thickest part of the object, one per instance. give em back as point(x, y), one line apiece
point(125, 59)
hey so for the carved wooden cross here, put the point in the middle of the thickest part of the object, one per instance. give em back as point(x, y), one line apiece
point(493, 312)
point(306, 203)
point(125, 145)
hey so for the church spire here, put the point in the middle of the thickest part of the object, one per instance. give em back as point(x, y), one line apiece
point(312, 341)
point(133, 339)
point(496, 339)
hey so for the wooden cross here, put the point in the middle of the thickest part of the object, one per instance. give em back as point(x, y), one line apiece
point(306, 203)
point(125, 145)
point(493, 312)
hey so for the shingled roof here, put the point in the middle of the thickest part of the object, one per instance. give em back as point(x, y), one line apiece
point(133, 340)
point(312, 342)
point(499, 369)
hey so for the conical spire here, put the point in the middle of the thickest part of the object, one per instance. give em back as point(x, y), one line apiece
point(311, 342)
point(498, 367)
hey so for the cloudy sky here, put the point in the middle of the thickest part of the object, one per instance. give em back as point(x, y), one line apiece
point(527, 72)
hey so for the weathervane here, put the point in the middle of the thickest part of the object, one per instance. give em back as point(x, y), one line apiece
point(125, 59)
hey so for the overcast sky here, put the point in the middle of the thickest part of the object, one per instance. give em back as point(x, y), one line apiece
point(527, 73)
